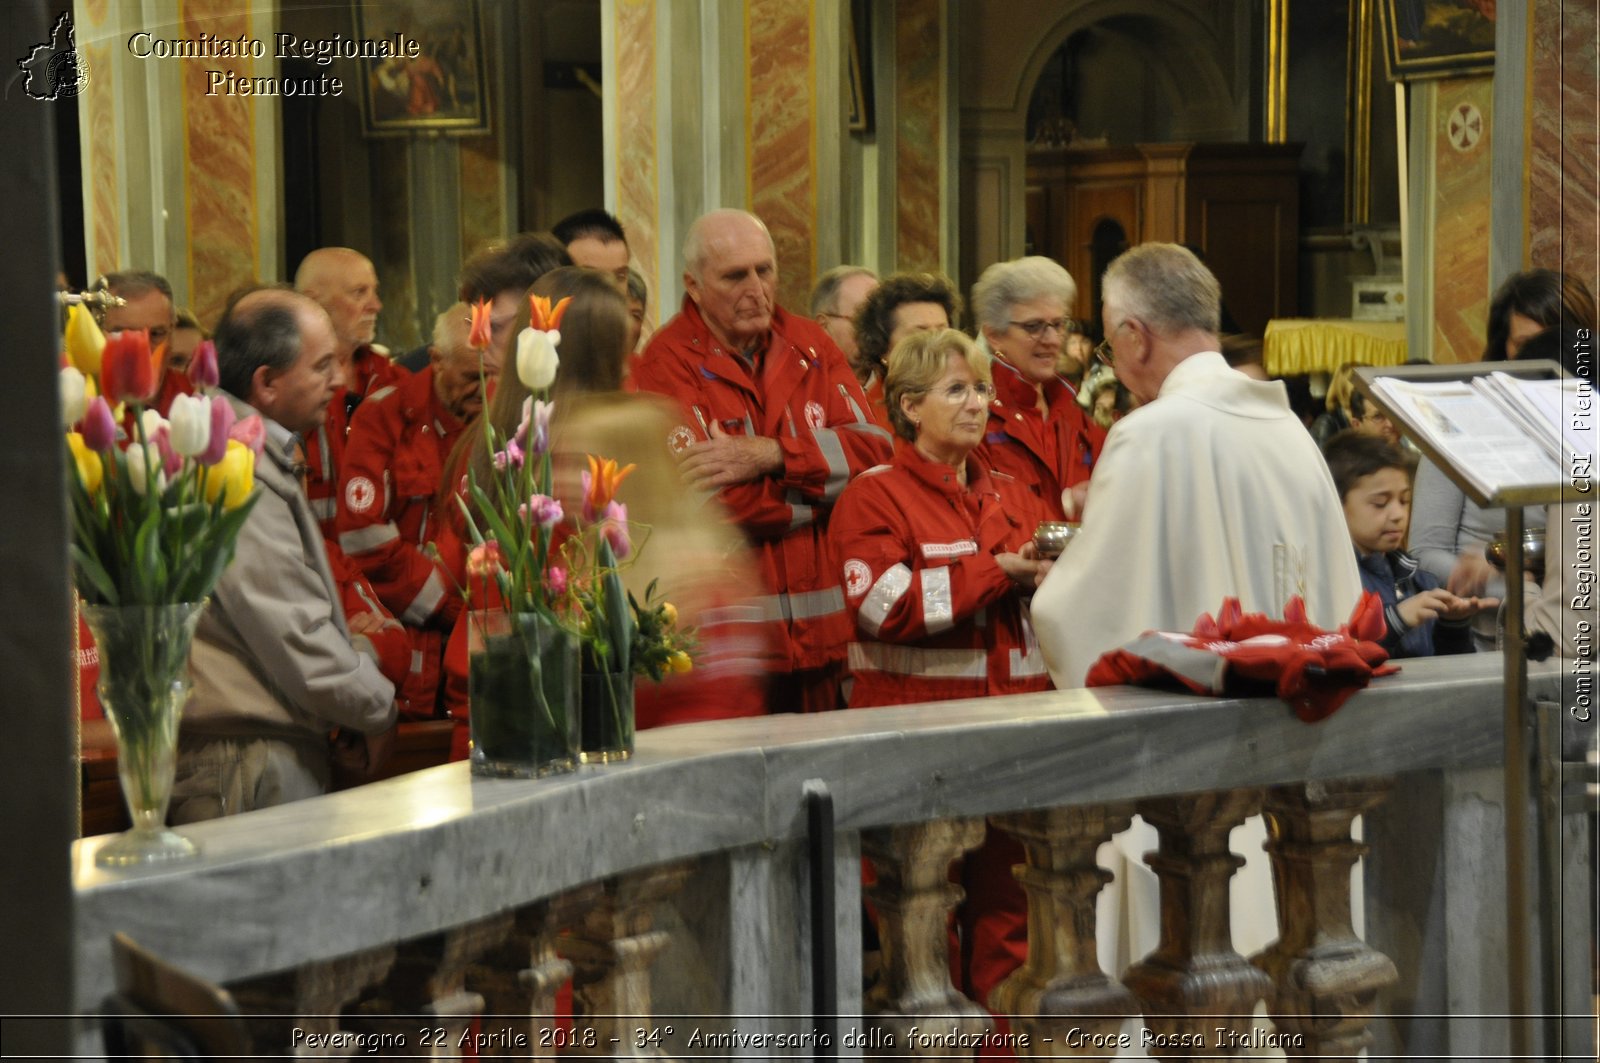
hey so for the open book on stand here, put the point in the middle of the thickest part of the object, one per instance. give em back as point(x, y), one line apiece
point(1509, 434)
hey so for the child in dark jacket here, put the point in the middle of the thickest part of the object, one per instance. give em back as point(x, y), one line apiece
point(1373, 479)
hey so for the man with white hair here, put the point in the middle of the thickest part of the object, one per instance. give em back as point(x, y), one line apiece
point(389, 501)
point(344, 283)
point(1211, 489)
point(837, 296)
point(777, 425)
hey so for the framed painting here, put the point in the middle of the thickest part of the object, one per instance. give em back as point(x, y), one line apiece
point(437, 86)
point(1438, 38)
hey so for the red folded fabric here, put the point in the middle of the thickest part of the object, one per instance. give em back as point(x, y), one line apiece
point(1241, 654)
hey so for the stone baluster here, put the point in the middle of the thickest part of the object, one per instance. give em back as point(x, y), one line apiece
point(1061, 986)
point(1194, 975)
point(1326, 979)
point(518, 978)
point(297, 1012)
point(424, 1008)
point(611, 947)
point(914, 896)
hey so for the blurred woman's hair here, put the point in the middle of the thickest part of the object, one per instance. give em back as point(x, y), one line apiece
point(593, 350)
point(1543, 296)
point(918, 363)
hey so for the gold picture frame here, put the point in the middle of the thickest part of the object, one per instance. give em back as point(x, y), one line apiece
point(1437, 38)
point(444, 89)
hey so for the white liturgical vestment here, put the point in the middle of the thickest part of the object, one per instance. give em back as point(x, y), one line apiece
point(1214, 490)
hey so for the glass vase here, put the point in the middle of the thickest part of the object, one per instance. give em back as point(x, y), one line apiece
point(607, 716)
point(523, 691)
point(144, 683)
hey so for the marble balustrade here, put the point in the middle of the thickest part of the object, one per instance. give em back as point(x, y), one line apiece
point(668, 885)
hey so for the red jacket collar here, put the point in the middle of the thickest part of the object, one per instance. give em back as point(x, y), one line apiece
point(1012, 389)
point(939, 476)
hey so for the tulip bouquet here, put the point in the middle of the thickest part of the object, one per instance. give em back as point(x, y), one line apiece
point(156, 508)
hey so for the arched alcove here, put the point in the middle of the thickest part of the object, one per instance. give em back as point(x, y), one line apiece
point(1195, 63)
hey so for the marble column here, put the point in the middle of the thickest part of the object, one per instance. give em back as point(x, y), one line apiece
point(1563, 215)
point(726, 104)
point(175, 179)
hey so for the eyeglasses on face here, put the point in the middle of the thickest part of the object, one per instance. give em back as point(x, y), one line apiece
point(1036, 328)
point(1103, 351)
point(957, 394)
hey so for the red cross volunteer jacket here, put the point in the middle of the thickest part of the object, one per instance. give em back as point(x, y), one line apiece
point(1046, 453)
point(325, 447)
point(809, 401)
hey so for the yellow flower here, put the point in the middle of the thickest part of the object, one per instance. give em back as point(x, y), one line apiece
point(680, 662)
point(85, 341)
point(90, 469)
point(669, 614)
point(233, 477)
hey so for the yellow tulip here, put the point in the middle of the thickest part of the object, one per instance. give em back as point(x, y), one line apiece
point(90, 469)
point(85, 341)
point(233, 477)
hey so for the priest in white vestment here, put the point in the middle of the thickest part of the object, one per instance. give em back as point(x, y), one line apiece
point(1211, 489)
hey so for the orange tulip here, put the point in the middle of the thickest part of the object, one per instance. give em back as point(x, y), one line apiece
point(541, 316)
point(481, 332)
point(600, 485)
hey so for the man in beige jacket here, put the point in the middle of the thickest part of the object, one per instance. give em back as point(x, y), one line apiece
point(275, 672)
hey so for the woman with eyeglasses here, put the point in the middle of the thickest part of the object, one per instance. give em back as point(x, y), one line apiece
point(1037, 431)
point(935, 581)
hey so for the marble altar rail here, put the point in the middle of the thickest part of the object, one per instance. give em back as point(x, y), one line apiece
point(438, 893)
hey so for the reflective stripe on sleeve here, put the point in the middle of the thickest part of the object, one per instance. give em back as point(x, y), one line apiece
point(806, 605)
point(323, 508)
point(937, 609)
point(885, 593)
point(426, 601)
point(800, 515)
point(363, 540)
point(838, 467)
point(917, 661)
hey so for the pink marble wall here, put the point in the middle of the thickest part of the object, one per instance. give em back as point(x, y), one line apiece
point(1461, 218)
point(918, 91)
point(781, 138)
point(224, 224)
point(1563, 218)
point(638, 198)
point(101, 159)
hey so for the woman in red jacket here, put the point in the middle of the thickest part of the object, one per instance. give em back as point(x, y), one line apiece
point(937, 556)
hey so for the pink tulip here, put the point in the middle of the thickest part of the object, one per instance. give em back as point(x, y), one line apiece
point(615, 529)
point(251, 432)
point(203, 366)
point(222, 423)
point(555, 581)
point(99, 427)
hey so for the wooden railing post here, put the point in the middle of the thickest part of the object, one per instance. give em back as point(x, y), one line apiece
point(914, 896)
point(1327, 979)
point(518, 978)
point(305, 1004)
point(612, 948)
point(1061, 986)
point(424, 1004)
point(1194, 975)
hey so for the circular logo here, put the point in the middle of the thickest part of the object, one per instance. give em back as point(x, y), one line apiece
point(359, 494)
point(814, 414)
point(66, 74)
point(857, 577)
point(680, 439)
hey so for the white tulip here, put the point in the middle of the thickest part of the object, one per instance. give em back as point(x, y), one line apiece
point(74, 396)
point(141, 459)
point(152, 422)
point(190, 419)
point(537, 359)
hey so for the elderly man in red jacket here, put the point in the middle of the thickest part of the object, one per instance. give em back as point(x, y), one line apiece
point(344, 283)
point(390, 502)
point(776, 423)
